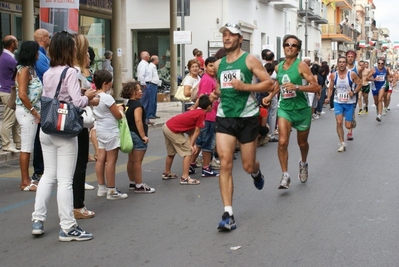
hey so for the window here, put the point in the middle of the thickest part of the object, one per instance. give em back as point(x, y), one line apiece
point(97, 32)
point(5, 25)
point(17, 27)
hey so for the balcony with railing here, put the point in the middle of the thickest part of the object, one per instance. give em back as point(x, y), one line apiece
point(339, 34)
point(344, 4)
point(314, 9)
point(282, 3)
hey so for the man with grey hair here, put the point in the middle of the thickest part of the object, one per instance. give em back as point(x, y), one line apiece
point(7, 67)
point(107, 62)
point(144, 76)
point(152, 101)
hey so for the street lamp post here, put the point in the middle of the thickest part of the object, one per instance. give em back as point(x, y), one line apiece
point(306, 28)
point(182, 57)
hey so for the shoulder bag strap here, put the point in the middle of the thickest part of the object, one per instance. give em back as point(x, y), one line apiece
point(63, 74)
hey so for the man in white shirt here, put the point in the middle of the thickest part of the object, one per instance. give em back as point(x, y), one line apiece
point(152, 105)
point(144, 77)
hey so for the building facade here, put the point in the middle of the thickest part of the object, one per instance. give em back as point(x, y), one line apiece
point(94, 21)
point(263, 23)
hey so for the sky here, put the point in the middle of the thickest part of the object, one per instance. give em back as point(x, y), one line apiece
point(386, 15)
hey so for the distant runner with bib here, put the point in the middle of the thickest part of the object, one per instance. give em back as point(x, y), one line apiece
point(377, 76)
point(293, 110)
point(344, 97)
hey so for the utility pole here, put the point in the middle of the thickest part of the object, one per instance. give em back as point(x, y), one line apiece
point(182, 61)
point(306, 28)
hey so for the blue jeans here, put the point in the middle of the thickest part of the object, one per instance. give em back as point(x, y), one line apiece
point(145, 99)
point(138, 143)
point(152, 100)
point(207, 137)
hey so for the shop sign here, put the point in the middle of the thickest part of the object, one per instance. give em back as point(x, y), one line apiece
point(182, 37)
point(103, 4)
point(59, 4)
point(10, 7)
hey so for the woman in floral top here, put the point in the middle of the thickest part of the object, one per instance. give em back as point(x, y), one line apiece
point(29, 91)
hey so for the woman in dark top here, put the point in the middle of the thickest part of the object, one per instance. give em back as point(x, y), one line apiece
point(136, 119)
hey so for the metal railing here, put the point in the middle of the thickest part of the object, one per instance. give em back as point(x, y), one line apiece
point(337, 29)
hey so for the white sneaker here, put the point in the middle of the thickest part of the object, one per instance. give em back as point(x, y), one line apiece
point(11, 149)
point(342, 147)
point(198, 162)
point(102, 191)
point(115, 194)
point(89, 186)
point(215, 164)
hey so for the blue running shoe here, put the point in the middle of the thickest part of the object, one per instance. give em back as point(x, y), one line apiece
point(259, 181)
point(37, 227)
point(209, 172)
point(77, 234)
point(227, 223)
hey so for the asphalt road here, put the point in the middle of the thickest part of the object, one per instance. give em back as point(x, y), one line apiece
point(345, 215)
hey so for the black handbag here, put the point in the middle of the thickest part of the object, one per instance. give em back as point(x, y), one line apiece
point(60, 117)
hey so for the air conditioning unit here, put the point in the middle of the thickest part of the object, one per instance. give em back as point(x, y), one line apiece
point(357, 28)
point(312, 4)
point(367, 16)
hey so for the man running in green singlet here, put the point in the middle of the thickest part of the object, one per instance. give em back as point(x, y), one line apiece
point(237, 115)
point(293, 110)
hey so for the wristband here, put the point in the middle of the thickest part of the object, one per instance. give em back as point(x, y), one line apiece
point(32, 108)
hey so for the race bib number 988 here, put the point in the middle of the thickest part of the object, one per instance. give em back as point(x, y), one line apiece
point(227, 77)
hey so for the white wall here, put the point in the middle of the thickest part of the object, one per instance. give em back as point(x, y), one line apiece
point(154, 14)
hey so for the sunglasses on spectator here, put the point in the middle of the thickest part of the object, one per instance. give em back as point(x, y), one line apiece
point(290, 45)
point(233, 26)
point(380, 63)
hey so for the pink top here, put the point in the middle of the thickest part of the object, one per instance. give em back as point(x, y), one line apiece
point(206, 86)
point(70, 88)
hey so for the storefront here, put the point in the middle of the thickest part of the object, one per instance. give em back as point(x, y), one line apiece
point(94, 21)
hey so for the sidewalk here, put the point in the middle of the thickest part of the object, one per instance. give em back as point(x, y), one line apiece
point(165, 110)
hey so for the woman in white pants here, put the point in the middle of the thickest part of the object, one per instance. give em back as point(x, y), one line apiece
point(29, 90)
point(60, 153)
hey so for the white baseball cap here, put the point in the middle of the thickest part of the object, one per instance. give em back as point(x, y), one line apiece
point(233, 28)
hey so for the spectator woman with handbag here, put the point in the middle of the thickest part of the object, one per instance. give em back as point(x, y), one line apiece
point(29, 90)
point(59, 152)
point(191, 81)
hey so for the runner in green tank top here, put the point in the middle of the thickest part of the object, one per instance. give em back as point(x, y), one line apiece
point(237, 115)
point(293, 108)
point(235, 104)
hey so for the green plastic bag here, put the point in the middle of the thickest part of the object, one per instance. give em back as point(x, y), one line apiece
point(126, 142)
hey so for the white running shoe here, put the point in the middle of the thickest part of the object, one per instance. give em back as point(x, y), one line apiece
point(342, 147)
point(89, 186)
point(115, 194)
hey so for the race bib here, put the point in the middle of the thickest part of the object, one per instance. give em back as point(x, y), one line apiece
point(227, 76)
point(287, 93)
point(343, 97)
point(380, 78)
